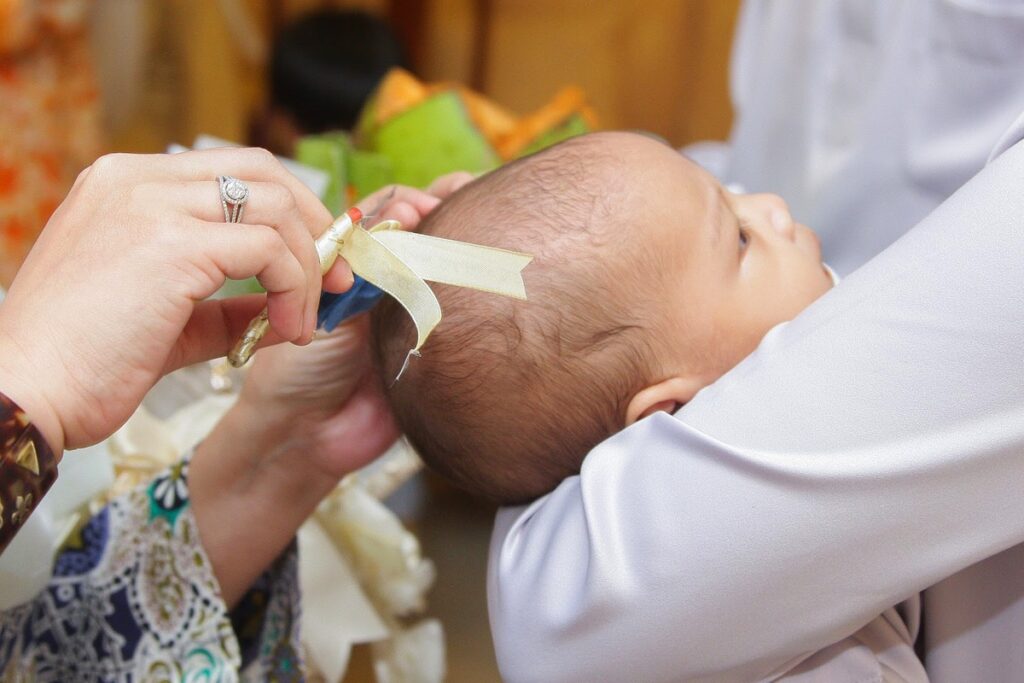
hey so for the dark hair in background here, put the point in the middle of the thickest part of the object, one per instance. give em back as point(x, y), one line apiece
point(325, 65)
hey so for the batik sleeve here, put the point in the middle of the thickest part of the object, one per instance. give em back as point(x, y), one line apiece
point(133, 597)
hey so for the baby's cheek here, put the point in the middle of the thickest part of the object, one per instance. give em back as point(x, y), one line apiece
point(808, 289)
point(743, 337)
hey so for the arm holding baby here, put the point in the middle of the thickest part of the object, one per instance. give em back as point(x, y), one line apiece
point(867, 450)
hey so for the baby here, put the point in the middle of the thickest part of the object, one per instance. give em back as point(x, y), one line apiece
point(650, 281)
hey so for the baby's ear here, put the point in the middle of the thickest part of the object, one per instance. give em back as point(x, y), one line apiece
point(667, 395)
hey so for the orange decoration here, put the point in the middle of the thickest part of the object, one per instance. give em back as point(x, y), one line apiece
point(8, 181)
point(568, 101)
point(509, 134)
point(49, 119)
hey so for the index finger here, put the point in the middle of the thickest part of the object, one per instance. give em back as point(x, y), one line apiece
point(407, 205)
point(384, 201)
point(449, 184)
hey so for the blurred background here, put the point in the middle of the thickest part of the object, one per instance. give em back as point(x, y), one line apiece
point(198, 66)
point(79, 78)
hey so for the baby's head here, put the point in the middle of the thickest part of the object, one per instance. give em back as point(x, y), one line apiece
point(649, 282)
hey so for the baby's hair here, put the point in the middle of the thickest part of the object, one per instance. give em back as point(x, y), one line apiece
point(509, 396)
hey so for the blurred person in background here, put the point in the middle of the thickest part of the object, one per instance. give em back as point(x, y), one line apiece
point(323, 68)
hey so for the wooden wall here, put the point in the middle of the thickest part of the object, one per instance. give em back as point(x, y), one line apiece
point(659, 65)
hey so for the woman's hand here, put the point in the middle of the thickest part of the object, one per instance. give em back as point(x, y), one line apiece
point(306, 417)
point(114, 293)
point(329, 387)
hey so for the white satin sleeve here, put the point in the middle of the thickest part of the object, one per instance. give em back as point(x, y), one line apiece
point(868, 449)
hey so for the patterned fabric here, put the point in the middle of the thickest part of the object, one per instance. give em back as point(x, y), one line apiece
point(49, 120)
point(133, 598)
point(27, 469)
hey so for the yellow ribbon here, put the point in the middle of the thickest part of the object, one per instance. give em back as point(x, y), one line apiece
point(461, 264)
point(399, 263)
point(377, 264)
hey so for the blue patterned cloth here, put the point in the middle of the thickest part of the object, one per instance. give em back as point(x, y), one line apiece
point(133, 598)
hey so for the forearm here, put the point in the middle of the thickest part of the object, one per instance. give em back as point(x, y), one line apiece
point(713, 561)
point(251, 490)
point(867, 450)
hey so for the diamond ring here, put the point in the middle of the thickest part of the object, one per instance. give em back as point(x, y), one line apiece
point(233, 196)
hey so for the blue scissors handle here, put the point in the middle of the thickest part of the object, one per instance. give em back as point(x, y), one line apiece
point(337, 308)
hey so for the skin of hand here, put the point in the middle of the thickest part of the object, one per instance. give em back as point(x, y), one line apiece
point(310, 386)
point(306, 417)
point(113, 295)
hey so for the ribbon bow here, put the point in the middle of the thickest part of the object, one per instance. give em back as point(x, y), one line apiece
point(391, 260)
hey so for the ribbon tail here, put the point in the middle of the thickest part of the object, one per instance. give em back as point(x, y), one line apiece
point(449, 262)
point(378, 265)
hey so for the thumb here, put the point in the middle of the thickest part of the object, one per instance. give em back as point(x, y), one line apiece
point(362, 430)
point(214, 328)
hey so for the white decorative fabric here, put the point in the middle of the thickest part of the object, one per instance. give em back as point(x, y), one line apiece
point(365, 575)
point(26, 564)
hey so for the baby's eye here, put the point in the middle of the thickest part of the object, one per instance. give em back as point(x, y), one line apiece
point(744, 237)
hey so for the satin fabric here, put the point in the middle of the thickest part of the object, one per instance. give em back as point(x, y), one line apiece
point(776, 514)
point(865, 114)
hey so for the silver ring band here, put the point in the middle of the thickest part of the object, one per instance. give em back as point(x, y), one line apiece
point(233, 196)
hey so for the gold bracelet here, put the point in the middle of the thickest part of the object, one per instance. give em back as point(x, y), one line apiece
point(28, 469)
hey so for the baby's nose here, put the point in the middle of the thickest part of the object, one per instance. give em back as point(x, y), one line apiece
point(779, 216)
